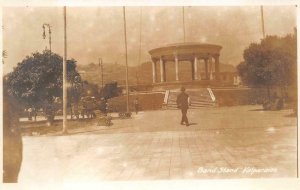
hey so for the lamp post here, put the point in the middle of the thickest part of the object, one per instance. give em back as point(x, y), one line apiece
point(44, 33)
point(4, 55)
point(262, 21)
point(4, 52)
point(125, 38)
point(139, 61)
point(65, 128)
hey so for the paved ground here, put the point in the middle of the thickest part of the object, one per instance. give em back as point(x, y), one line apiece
point(233, 142)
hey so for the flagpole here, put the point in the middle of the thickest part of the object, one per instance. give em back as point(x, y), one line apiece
point(262, 20)
point(139, 61)
point(125, 36)
point(65, 128)
point(183, 24)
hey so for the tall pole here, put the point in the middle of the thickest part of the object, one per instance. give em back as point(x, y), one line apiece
point(4, 53)
point(183, 24)
point(137, 79)
point(127, 90)
point(65, 128)
point(262, 20)
point(50, 39)
point(102, 74)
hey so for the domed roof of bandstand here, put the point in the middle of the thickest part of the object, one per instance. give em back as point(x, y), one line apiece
point(185, 51)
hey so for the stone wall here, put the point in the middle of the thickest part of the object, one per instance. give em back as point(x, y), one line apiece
point(240, 96)
point(225, 97)
point(147, 101)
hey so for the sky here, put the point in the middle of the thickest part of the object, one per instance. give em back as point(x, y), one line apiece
point(98, 32)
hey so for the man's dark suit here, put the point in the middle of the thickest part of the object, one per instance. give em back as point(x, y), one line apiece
point(183, 104)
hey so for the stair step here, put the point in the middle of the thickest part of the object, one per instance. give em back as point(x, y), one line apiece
point(199, 98)
point(173, 107)
point(194, 103)
point(193, 100)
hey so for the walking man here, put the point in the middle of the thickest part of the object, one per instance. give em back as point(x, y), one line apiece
point(183, 102)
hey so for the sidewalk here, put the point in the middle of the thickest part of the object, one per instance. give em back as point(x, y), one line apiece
point(152, 145)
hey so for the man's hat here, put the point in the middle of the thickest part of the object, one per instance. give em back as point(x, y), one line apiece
point(182, 89)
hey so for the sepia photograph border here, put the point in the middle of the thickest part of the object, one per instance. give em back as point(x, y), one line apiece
point(240, 184)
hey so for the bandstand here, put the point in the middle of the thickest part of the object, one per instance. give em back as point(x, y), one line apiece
point(192, 53)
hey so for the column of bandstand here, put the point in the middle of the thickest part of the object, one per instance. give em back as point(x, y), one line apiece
point(154, 71)
point(194, 68)
point(206, 68)
point(207, 61)
point(217, 69)
point(210, 68)
point(195, 65)
point(162, 70)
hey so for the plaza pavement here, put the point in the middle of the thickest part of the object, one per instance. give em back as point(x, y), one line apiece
point(225, 142)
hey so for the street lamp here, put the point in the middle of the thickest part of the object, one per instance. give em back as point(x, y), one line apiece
point(126, 59)
point(4, 55)
point(183, 24)
point(44, 34)
point(65, 126)
point(262, 20)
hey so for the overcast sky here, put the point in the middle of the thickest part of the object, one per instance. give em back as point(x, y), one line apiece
point(95, 32)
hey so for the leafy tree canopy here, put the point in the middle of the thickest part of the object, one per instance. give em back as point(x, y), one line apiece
point(272, 62)
point(110, 90)
point(39, 78)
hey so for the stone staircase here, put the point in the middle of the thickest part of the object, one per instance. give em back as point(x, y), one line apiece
point(202, 97)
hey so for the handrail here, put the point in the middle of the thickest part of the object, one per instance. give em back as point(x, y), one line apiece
point(211, 94)
point(166, 96)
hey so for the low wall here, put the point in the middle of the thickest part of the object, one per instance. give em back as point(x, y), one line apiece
point(186, 84)
point(224, 96)
point(147, 101)
point(239, 96)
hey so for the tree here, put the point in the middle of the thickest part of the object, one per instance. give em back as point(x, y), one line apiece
point(89, 89)
point(270, 63)
point(110, 90)
point(12, 139)
point(38, 78)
